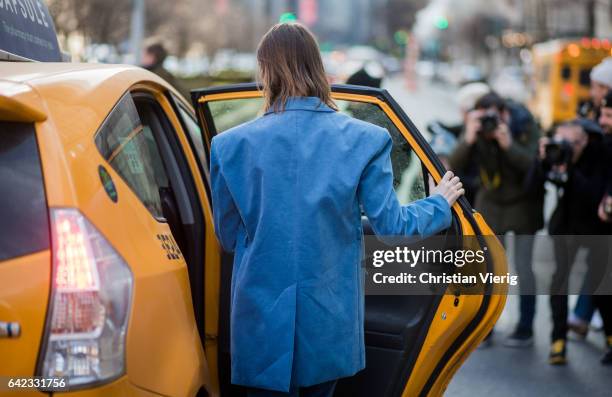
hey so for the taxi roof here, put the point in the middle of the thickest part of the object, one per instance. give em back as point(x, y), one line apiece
point(69, 93)
point(39, 73)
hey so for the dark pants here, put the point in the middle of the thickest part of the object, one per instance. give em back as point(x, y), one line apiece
point(523, 258)
point(565, 250)
point(584, 308)
point(603, 303)
point(321, 390)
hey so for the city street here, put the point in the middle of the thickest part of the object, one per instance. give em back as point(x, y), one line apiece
point(496, 370)
point(197, 196)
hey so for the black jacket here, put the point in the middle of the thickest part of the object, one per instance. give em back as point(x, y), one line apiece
point(579, 197)
point(607, 144)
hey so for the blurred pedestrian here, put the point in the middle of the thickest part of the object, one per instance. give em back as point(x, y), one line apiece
point(584, 312)
point(601, 83)
point(605, 121)
point(369, 75)
point(604, 302)
point(503, 143)
point(153, 58)
point(468, 96)
point(572, 162)
point(444, 137)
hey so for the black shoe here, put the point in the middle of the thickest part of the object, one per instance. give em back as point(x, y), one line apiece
point(579, 328)
point(557, 353)
point(519, 338)
point(607, 358)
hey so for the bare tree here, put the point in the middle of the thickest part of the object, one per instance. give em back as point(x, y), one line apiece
point(98, 20)
point(401, 14)
point(181, 25)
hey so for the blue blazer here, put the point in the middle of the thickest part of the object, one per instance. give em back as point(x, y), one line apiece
point(287, 189)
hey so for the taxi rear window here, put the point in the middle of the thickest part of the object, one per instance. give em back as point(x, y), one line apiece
point(130, 148)
point(24, 225)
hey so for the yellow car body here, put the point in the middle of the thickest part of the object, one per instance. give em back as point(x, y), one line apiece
point(176, 318)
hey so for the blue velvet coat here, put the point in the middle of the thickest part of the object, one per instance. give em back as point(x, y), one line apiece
point(287, 189)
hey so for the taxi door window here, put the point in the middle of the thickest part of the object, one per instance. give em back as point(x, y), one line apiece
point(408, 178)
point(196, 140)
point(585, 77)
point(195, 134)
point(131, 150)
point(232, 112)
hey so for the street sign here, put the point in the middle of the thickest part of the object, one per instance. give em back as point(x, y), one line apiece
point(27, 31)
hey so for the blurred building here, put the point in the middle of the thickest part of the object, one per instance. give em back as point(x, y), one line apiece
point(603, 18)
point(549, 19)
point(333, 21)
point(351, 21)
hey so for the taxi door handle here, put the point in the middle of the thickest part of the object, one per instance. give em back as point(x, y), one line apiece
point(9, 329)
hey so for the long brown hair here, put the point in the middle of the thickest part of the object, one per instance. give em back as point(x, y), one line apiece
point(290, 65)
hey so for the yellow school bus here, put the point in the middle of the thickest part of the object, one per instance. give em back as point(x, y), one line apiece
point(561, 76)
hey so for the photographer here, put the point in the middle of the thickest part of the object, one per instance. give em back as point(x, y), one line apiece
point(584, 313)
point(444, 137)
point(601, 82)
point(605, 121)
point(153, 57)
point(502, 141)
point(572, 162)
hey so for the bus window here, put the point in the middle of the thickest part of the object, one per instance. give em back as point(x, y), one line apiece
point(566, 72)
point(544, 73)
point(585, 77)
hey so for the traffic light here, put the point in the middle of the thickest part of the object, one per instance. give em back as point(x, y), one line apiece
point(287, 17)
point(441, 22)
point(401, 37)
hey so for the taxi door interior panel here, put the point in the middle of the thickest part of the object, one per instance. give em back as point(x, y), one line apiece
point(395, 329)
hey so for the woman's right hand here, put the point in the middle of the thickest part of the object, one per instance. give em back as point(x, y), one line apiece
point(450, 187)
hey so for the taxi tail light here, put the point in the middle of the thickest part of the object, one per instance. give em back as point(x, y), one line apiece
point(90, 302)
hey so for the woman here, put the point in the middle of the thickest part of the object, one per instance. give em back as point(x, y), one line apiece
point(287, 189)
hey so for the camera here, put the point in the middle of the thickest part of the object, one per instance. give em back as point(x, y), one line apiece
point(607, 205)
point(558, 153)
point(608, 208)
point(488, 124)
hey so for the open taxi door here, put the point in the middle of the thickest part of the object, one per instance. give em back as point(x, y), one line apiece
point(414, 343)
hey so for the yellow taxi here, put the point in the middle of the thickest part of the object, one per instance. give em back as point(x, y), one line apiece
point(111, 277)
